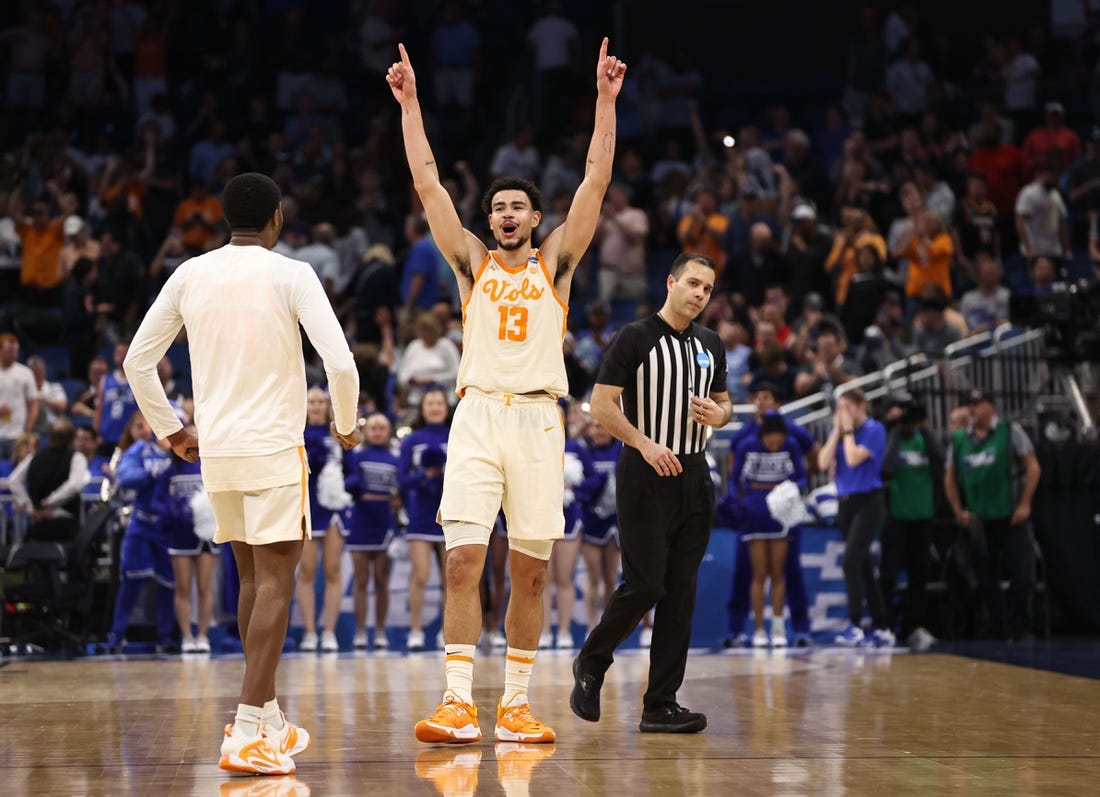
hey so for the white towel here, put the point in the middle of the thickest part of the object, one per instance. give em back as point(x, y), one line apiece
point(785, 504)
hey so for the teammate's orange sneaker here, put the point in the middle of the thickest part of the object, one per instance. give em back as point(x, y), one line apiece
point(291, 740)
point(518, 724)
point(452, 722)
point(452, 772)
point(253, 755)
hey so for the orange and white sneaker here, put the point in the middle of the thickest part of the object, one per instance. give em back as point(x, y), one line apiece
point(452, 722)
point(516, 762)
point(452, 772)
point(518, 724)
point(291, 740)
point(253, 755)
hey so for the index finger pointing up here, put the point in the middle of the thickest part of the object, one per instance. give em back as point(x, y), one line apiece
point(404, 54)
point(603, 49)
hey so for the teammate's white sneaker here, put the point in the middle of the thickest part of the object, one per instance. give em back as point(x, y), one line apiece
point(645, 638)
point(415, 642)
point(253, 755)
point(291, 740)
point(309, 643)
point(497, 640)
point(359, 642)
point(329, 643)
point(760, 638)
point(202, 644)
point(188, 645)
point(546, 640)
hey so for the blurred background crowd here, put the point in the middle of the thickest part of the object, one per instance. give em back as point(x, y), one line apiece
point(920, 187)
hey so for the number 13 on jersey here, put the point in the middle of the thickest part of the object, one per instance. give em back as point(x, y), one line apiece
point(513, 323)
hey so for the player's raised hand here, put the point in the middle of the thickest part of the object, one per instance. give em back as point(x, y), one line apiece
point(401, 77)
point(609, 72)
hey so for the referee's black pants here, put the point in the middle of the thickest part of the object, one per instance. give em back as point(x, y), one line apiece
point(664, 528)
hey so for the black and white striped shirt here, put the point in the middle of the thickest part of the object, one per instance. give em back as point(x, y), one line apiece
point(659, 370)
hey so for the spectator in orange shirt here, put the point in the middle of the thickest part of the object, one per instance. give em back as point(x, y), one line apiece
point(1052, 135)
point(930, 252)
point(198, 218)
point(704, 231)
point(856, 231)
point(42, 242)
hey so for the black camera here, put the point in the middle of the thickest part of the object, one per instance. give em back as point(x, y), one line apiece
point(913, 413)
point(1070, 316)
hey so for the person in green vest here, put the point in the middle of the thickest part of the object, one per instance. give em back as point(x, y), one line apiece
point(913, 457)
point(990, 478)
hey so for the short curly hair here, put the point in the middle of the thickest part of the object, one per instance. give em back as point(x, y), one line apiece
point(249, 201)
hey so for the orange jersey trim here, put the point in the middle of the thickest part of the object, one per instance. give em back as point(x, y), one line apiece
point(510, 269)
point(554, 290)
point(477, 276)
point(305, 486)
point(550, 281)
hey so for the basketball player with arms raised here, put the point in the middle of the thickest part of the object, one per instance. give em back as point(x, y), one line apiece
point(507, 442)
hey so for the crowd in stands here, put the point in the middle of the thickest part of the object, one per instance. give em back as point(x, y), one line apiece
point(896, 217)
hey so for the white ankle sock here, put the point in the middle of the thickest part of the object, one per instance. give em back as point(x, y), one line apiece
point(248, 719)
point(517, 675)
point(272, 715)
point(460, 671)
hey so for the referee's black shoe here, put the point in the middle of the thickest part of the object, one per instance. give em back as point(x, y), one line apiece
point(585, 698)
point(672, 718)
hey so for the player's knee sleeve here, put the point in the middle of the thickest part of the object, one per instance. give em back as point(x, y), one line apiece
point(537, 549)
point(457, 533)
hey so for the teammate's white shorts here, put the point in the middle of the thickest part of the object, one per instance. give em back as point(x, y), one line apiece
point(261, 517)
point(506, 451)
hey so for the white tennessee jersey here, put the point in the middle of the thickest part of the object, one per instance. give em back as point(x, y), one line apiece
point(513, 325)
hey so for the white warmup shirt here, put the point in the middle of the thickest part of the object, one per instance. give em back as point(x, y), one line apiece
point(241, 306)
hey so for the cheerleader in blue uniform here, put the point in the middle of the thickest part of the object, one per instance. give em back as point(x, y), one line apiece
point(144, 552)
point(760, 464)
point(372, 481)
point(327, 533)
point(600, 519)
point(178, 490)
point(582, 481)
point(420, 476)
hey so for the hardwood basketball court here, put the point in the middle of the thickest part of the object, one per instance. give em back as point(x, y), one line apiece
point(830, 722)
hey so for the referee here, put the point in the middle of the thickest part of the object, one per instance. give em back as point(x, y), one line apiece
point(670, 374)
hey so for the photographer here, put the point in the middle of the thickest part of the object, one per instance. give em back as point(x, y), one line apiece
point(913, 457)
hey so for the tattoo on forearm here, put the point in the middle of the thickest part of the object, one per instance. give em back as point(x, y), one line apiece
point(428, 163)
point(608, 142)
